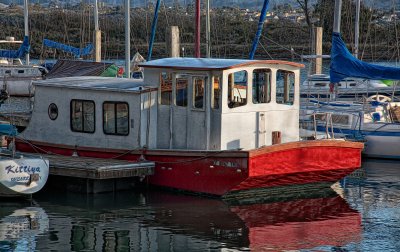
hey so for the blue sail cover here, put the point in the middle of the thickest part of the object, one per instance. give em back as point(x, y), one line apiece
point(76, 51)
point(344, 64)
point(16, 54)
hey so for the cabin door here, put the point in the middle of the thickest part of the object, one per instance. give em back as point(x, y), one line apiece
point(197, 129)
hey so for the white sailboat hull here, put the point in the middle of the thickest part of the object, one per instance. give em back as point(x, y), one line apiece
point(22, 176)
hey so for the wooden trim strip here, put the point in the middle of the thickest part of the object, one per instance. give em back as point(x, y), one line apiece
point(306, 144)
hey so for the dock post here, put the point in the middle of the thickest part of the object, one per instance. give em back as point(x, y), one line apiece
point(318, 49)
point(173, 42)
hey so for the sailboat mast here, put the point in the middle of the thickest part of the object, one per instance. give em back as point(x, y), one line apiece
point(208, 32)
point(153, 30)
point(357, 28)
point(197, 39)
point(26, 26)
point(336, 16)
point(127, 39)
point(259, 29)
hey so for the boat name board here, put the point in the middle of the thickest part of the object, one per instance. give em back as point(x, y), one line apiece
point(22, 169)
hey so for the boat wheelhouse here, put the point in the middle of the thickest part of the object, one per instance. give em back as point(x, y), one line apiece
point(211, 126)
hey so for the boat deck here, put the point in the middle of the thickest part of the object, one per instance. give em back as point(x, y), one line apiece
point(96, 168)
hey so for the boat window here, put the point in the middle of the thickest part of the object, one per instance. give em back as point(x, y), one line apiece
point(166, 88)
point(261, 86)
point(353, 84)
point(53, 111)
point(285, 87)
point(198, 92)
point(237, 89)
point(21, 71)
point(82, 116)
point(115, 118)
point(181, 92)
point(8, 71)
point(319, 84)
point(216, 92)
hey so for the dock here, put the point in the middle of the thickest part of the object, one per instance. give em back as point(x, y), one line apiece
point(95, 175)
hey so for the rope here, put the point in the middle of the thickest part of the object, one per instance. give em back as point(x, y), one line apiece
point(36, 148)
point(290, 50)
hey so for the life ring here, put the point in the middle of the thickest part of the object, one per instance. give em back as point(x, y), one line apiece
point(379, 98)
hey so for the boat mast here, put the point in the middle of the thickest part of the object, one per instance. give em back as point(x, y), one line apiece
point(208, 32)
point(127, 39)
point(259, 29)
point(97, 33)
point(197, 38)
point(26, 26)
point(357, 28)
point(153, 30)
point(336, 16)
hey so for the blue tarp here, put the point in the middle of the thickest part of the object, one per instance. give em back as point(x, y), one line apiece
point(17, 54)
point(76, 51)
point(344, 64)
point(8, 130)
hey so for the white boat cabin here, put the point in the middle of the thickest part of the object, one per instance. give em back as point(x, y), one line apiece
point(181, 104)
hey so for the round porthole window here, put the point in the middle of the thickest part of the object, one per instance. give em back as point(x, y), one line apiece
point(53, 111)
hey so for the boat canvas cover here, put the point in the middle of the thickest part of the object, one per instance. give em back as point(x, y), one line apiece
point(8, 130)
point(344, 64)
point(17, 54)
point(78, 52)
point(70, 68)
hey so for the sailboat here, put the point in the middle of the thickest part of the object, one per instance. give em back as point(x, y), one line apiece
point(376, 122)
point(15, 77)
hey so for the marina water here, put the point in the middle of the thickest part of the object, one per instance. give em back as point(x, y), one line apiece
point(361, 213)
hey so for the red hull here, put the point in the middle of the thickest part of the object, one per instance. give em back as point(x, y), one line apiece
point(221, 172)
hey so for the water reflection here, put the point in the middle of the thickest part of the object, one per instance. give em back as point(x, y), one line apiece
point(362, 216)
point(161, 221)
point(377, 198)
point(20, 226)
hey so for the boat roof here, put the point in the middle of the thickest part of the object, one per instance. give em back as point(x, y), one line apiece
point(96, 83)
point(211, 64)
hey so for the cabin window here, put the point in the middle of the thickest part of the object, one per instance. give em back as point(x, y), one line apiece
point(285, 87)
point(8, 71)
point(320, 84)
point(115, 118)
point(353, 84)
point(216, 92)
point(198, 92)
point(82, 116)
point(237, 89)
point(261, 86)
point(53, 111)
point(21, 71)
point(181, 92)
point(166, 88)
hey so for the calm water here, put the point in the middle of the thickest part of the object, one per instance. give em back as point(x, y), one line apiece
point(362, 214)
